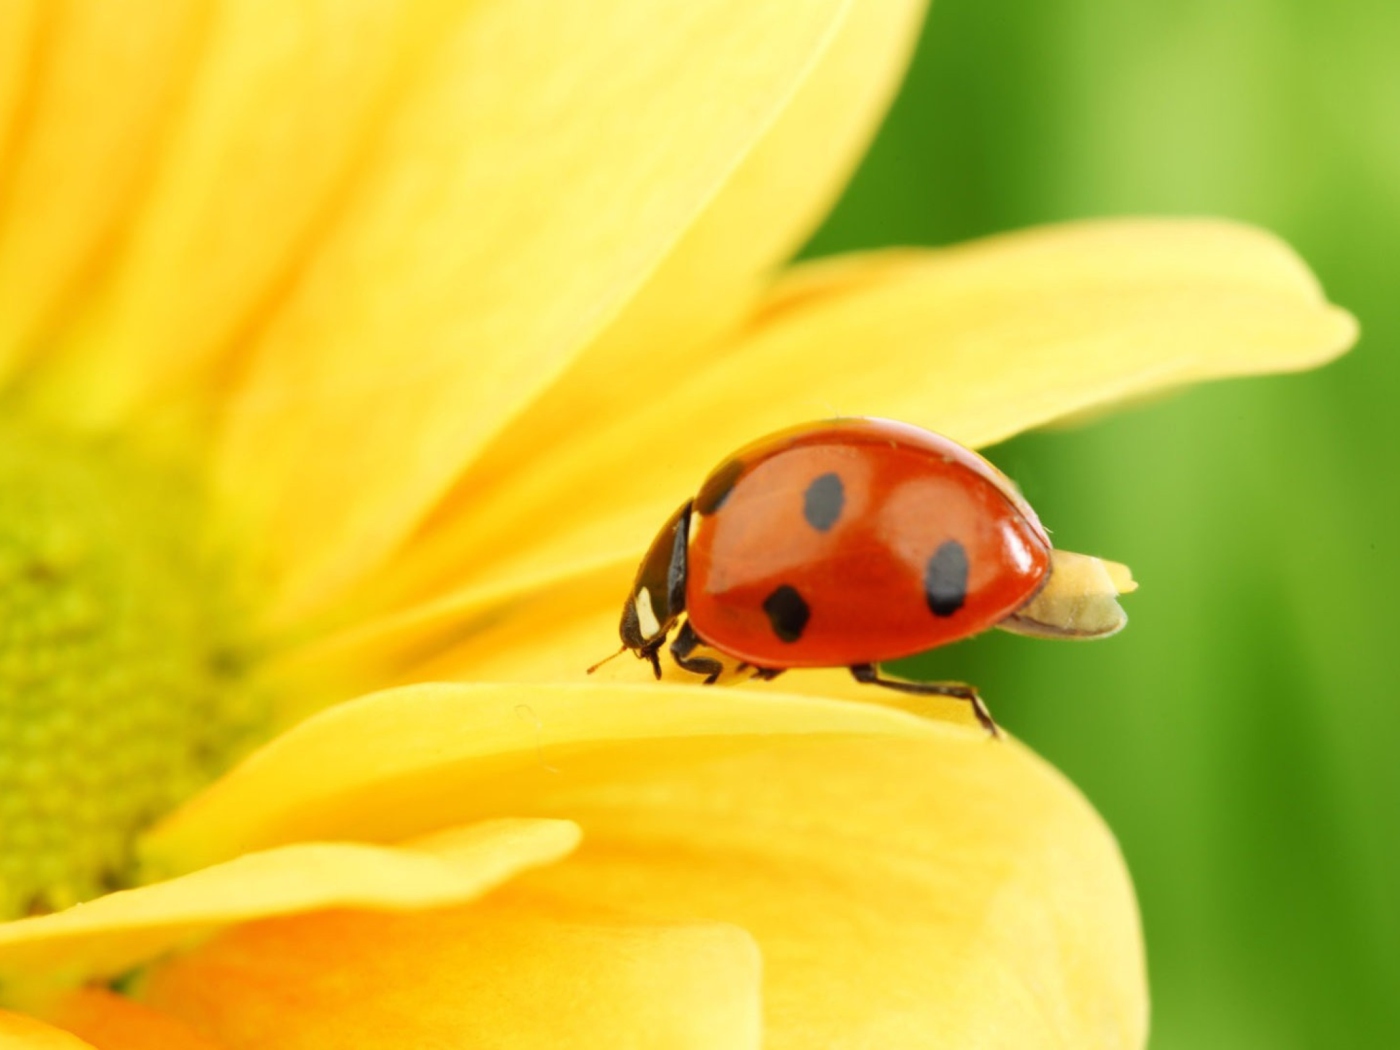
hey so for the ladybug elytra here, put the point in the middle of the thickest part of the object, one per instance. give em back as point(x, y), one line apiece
point(851, 542)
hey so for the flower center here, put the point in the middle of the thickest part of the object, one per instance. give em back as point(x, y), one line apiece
point(119, 688)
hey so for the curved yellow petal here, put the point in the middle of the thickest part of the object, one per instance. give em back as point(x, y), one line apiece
point(535, 171)
point(943, 892)
point(930, 887)
point(992, 338)
point(20, 24)
point(20, 1032)
point(543, 629)
point(102, 81)
point(278, 105)
point(115, 932)
point(114, 1022)
point(771, 203)
point(978, 342)
point(408, 760)
point(508, 972)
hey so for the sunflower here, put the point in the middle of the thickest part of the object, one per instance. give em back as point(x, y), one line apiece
point(351, 354)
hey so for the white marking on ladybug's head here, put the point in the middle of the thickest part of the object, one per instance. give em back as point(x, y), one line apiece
point(646, 616)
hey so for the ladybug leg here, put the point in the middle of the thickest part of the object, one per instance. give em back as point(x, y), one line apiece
point(761, 674)
point(686, 642)
point(648, 652)
point(870, 675)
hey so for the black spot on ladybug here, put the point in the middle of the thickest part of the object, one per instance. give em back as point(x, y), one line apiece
point(787, 612)
point(945, 579)
point(823, 500)
point(717, 487)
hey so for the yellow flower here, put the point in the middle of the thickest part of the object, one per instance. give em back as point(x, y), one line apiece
point(354, 346)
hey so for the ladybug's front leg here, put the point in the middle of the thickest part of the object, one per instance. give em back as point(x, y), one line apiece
point(648, 652)
point(686, 642)
point(870, 675)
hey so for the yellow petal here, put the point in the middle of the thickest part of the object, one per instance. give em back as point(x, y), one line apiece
point(950, 891)
point(18, 1032)
point(539, 166)
point(547, 629)
point(404, 761)
point(20, 24)
point(113, 1022)
point(977, 342)
point(928, 885)
point(505, 973)
point(989, 339)
point(766, 210)
point(102, 83)
point(278, 103)
point(113, 933)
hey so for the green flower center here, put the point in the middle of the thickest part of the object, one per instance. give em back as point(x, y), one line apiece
point(119, 685)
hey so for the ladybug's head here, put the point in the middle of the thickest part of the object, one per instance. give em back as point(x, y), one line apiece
point(657, 597)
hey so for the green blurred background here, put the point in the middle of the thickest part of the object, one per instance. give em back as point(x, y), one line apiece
point(1241, 736)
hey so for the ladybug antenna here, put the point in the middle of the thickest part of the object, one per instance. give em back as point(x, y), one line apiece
point(605, 659)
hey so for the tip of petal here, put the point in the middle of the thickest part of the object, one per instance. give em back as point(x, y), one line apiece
point(113, 933)
point(1346, 329)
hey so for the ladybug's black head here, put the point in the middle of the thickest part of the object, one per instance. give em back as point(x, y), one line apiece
point(657, 598)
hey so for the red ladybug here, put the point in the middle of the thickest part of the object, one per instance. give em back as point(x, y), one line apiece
point(850, 542)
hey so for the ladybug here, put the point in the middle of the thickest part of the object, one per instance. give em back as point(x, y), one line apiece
point(851, 542)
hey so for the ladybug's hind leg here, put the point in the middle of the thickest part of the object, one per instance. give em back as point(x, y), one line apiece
point(870, 675)
point(685, 643)
point(760, 674)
